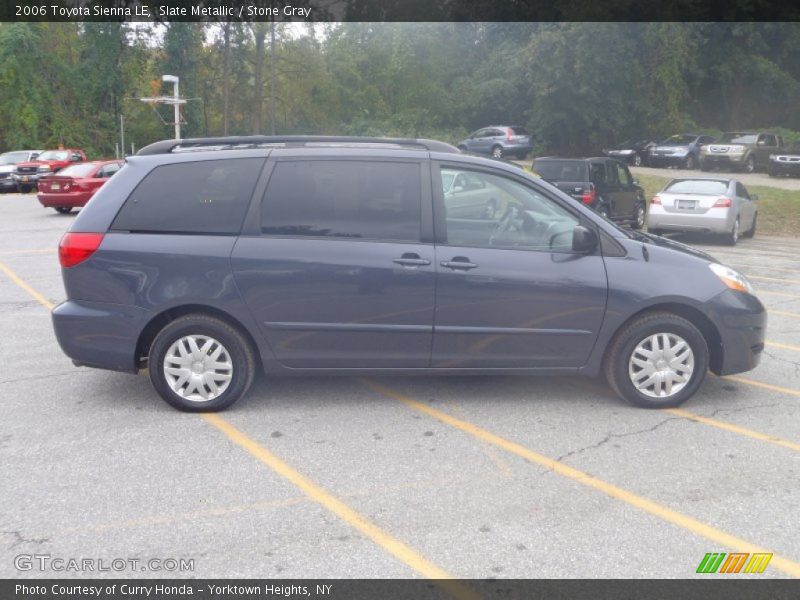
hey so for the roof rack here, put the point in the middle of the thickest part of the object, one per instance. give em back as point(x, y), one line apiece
point(267, 141)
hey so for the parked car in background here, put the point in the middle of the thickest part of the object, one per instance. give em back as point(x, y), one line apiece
point(741, 151)
point(499, 141)
point(786, 162)
point(468, 196)
point(8, 161)
point(603, 184)
point(720, 206)
point(633, 152)
point(27, 174)
point(73, 186)
point(311, 255)
point(682, 150)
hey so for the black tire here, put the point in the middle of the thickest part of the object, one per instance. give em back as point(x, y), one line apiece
point(639, 216)
point(602, 210)
point(691, 162)
point(462, 148)
point(497, 151)
point(733, 235)
point(638, 161)
point(618, 357)
point(521, 155)
point(238, 349)
point(63, 209)
point(750, 233)
point(24, 189)
point(749, 165)
point(704, 167)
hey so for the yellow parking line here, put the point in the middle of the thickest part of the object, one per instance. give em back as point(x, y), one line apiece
point(761, 292)
point(392, 545)
point(783, 313)
point(733, 428)
point(385, 540)
point(766, 386)
point(52, 251)
point(781, 279)
point(18, 280)
point(667, 514)
point(781, 345)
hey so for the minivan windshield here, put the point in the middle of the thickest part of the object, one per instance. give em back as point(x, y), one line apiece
point(739, 138)
point(711, 187)
point(561, 170)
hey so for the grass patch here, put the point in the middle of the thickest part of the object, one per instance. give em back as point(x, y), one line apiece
point(778, 210)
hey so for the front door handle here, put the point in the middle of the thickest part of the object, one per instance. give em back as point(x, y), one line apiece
point(461, 263)
point(411, 259)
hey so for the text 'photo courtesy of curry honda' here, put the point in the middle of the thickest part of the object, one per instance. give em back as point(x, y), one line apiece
point(209, 260)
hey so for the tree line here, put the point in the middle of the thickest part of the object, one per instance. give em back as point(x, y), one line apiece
point(576, 86)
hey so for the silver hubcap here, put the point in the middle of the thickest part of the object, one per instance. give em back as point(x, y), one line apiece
point(498, 152)
point(198, 368)
point(735, 232)
point(661, 365)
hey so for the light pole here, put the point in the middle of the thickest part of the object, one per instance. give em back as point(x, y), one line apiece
point(175, 81)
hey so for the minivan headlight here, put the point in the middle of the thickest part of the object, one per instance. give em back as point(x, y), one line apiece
point(732, 278)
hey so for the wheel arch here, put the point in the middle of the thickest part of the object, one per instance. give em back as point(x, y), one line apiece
point(695, 316)
point(159, 321)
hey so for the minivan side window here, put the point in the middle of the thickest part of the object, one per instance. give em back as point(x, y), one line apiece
point(504, 213)
point(372, 200)
point(208, 197)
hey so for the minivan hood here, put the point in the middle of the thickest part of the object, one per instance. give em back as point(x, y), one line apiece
point(649, 238)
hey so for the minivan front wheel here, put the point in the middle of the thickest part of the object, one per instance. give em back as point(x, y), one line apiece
point(199, 363)
point(497, 151)
point(657, 361)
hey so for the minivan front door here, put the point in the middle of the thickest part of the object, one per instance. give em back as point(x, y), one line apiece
point(337, 276)
point(510, 293)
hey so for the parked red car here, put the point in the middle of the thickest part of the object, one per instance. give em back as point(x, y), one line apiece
point(74, 186)
point(27, 174)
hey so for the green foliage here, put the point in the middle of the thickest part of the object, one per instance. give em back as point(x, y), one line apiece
point(577, 86)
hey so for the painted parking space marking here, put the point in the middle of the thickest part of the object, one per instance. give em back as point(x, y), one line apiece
point(665, 513)
point(386, 541)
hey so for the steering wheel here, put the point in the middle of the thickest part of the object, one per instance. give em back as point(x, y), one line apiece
point(504, 224)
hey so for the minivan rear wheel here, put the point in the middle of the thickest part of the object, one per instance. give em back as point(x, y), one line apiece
point(497, 151)
point(657, 360)
point(199, 363)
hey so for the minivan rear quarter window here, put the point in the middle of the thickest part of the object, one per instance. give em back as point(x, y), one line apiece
point(208, 197)
point(344, 199)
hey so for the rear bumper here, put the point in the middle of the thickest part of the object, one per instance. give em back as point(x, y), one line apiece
point(741, 321)
point(98, 335)
point(71, 199)
point(658, 218)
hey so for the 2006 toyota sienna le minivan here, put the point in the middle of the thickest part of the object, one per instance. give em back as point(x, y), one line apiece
point(205, 260)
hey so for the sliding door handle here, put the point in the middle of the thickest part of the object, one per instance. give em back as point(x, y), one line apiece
point(459, 263)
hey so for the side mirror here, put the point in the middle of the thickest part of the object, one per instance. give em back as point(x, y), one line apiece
point(584, 240)
point(753, 197)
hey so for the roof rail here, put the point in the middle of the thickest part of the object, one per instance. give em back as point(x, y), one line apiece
point(258, 141)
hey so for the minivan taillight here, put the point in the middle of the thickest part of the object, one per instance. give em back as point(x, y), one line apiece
point(509, 134)
point(722, 202)
point(589, 195)
point(74, 248)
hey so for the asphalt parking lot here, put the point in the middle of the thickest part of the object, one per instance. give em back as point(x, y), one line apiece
point(391, 477)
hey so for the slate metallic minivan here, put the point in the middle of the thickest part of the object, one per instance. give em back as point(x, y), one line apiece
point(207, 260)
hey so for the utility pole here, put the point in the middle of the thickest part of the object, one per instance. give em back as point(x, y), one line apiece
point(272, 74)
point(175, 81)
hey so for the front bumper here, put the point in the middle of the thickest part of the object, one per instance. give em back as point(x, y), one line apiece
point(100, 335)
point(718, 160)
point(7, 183)
point(27, 178)
point(657, 160)
point(741, 321)
point(789, 168)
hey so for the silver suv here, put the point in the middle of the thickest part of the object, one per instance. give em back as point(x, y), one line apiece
point(740, 151)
